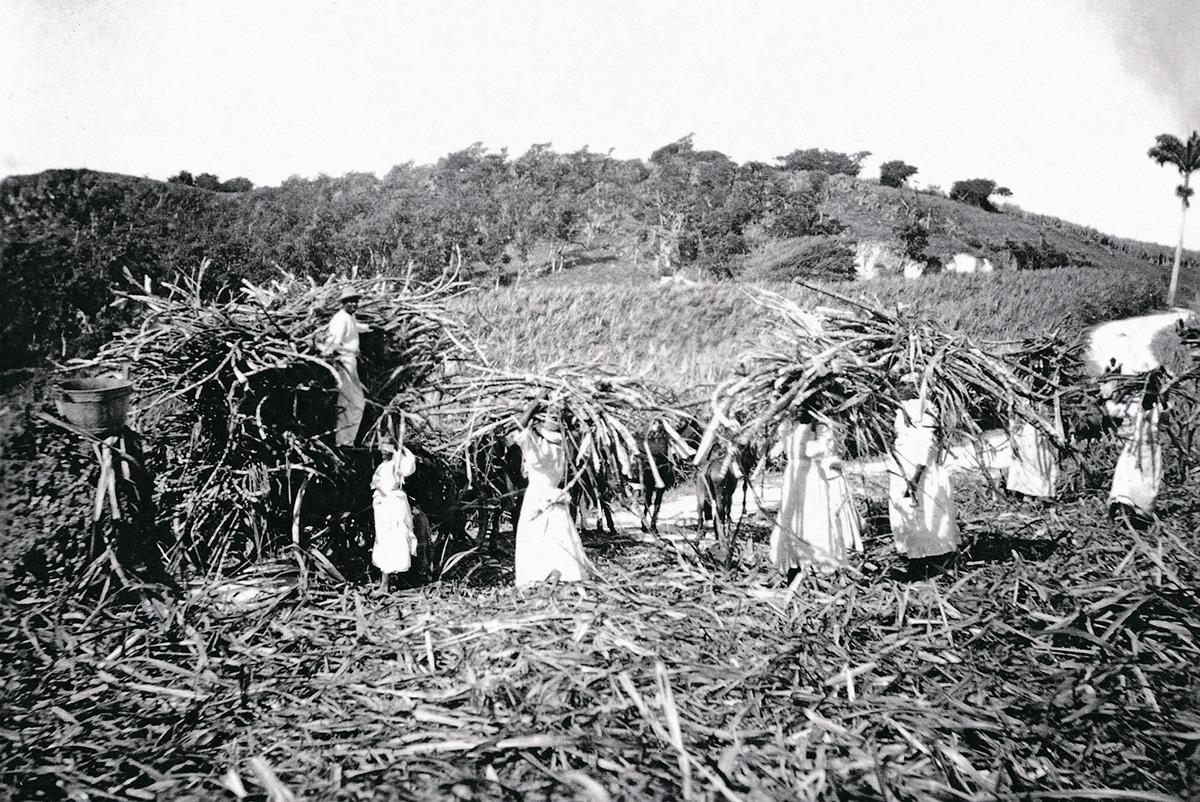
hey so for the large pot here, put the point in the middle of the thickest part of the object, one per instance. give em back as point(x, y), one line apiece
point(94, 405)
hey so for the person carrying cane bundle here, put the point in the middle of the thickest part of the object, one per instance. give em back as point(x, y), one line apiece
point(547, 541)
point(395, 539)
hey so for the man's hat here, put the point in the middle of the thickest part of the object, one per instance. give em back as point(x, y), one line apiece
point(349, 294)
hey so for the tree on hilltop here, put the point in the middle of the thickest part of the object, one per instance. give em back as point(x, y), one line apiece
point(977, 192)
point(1185, 156)
point(827, 161)
point(468, 205)
point(211, 182)
point(895, 173)
point(689, 206)
point(208, 181)
point(239, 184)
point(681, 146)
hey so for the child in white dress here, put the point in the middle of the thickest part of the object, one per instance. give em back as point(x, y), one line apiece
point(1033, 471)
point(395, 541)
point(1139, 472)
point(818, 521)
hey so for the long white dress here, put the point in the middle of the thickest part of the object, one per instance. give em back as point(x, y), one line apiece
point(1139, 472)
point(395, 541)
point(342, 341)
point(547, 539)
point(923, 523)
point(1034, 467)
point(818, 522)
point(841, 499)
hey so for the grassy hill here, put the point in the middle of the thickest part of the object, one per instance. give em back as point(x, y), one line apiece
point(689, 335)
point(686, 336)
point(872, 211)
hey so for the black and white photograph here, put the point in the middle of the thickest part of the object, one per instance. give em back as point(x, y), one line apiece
point(599, 400)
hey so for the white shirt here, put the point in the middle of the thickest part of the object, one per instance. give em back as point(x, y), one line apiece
point(343, 333)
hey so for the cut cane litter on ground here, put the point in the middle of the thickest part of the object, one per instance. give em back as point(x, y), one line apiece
point(1053, 658)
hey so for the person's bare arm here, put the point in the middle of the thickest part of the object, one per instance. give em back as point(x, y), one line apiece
point(531, 409)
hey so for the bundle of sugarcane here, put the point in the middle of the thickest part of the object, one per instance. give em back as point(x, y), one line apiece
point(1051, 364)
point(243, 394)
point(187, 342)
point(603, 414)
point(853, 364)
point(1052, 368)
point(1178, 395)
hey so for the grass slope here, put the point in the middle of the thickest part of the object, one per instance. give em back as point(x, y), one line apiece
point(687, 336)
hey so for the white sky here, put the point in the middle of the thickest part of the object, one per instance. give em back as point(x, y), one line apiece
point(1033, 94)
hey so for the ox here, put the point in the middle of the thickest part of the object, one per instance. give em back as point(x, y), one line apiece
point(496, 486)
point(590, 488)
point(588, 481)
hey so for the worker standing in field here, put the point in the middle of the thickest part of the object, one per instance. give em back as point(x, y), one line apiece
point(342, 343)
point(921, 500)
point(818, 522)
point(1139, 472)
point(547, 540)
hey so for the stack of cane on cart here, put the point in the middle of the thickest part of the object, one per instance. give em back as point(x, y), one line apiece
point(239, 397)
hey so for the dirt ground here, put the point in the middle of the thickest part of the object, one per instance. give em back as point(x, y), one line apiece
point(868, 478)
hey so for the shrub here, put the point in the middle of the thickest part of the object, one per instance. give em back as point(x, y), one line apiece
point(828, 161)
point(914, 236)
point(895, 173)
point(1042, 256)
point(976, 192)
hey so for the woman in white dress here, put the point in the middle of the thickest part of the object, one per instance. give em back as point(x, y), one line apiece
point(547, 540)
point(1033, 471)
point(921, 501)
point(395, 541)
point(818, 521)
point(1139, 472)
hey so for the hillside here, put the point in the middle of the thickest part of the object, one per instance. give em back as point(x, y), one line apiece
point(69, 237)
point(872, 211)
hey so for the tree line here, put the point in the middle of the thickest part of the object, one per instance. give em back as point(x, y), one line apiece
point(69, 236)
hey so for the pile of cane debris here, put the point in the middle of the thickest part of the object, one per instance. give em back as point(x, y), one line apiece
point(1068, 676)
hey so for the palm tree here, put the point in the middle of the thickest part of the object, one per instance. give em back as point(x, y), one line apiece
point(1185, 156)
